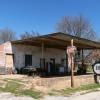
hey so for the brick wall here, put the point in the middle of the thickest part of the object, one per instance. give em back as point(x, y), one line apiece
point(2, 57)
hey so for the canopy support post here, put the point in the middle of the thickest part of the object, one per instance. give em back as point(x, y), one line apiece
point(42, 49)
point(82, 58)
point(42, 61)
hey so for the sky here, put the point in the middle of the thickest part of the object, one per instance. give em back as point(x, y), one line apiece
point(43, 15)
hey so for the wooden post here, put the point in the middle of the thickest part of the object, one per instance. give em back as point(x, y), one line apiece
point(71, 52)
point(42, 55)
point(72, 42)
point(82, 59)
point(72, 72)
point(42, 49)
point(72, 66)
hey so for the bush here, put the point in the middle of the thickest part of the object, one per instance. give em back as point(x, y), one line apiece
point(81, 70)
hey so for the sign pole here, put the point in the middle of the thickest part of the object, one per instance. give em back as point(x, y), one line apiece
point(72, 73)
point(71, 52)
point(72, 66)
point(96, 69)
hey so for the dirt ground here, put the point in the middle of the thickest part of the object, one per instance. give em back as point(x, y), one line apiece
point(88, 96)
point(30, 82)
point(41, 84)
point(9, 96)
point(47, 84)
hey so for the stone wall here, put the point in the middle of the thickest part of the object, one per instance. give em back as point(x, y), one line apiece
point(54, 83)
point(63, 82)
point(2, 56)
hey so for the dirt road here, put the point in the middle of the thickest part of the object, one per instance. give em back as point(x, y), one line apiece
point(89, 96)
point(9, 96)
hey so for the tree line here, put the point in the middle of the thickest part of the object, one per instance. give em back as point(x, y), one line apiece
point(7, 34)
point(77, 26)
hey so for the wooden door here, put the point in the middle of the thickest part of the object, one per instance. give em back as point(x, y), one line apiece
point(52, 66)
point(9, 60)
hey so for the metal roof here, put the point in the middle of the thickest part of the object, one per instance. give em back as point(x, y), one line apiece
point(59, 41)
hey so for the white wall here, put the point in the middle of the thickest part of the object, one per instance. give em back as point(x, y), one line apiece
point(20, 51)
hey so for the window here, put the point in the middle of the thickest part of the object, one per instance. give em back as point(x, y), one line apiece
point(28, 60)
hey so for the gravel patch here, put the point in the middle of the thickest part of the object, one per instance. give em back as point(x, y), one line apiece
point(9, 96)
point(88, 96)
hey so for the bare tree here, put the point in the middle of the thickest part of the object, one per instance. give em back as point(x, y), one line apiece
point(7, 34)
point(31, 34)
point(77, 26)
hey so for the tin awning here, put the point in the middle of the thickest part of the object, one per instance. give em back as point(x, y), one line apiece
point(59, 41)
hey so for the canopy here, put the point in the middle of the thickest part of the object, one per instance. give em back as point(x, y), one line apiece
point(59, 41)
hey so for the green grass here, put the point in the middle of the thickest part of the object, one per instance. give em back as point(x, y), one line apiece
point(15, 80)
point(51, 93)
point(32, 93)
point(89, 68)
point(82, 89)
point(16, 88)
point(90, 87)
point(10, 86)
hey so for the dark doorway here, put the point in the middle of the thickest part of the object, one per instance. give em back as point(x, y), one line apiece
point(28, 60)
point(42, 63)
point(52, 66)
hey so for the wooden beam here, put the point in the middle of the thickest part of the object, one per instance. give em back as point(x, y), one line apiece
point(42, 49)
point(82, 58)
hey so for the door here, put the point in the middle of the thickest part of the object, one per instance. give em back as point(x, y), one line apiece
point(9, 60)
point(28, 60)
point(52, 66)
point(42, 63)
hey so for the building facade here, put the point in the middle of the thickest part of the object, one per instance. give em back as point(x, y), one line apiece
point(18, 56)
point(47, 52)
